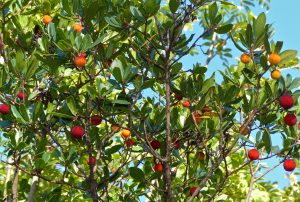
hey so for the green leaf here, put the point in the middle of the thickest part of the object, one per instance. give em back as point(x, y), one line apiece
point(236, 44)
point(112, 21)
point(113, 149)
point(259, 25)
point(66, 6)
point(287, 55)
point(136, 173)
point(267, 141)
point(152, 6)
point(212, 12)
point(122, 102)
point(174, 5)
point(46, 157)
point(72, 105)
point(17, 115)
point(137, 14)
point(278, 47)
point(224, 29)
point(38, 109)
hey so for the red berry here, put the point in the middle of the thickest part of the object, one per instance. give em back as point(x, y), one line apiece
point(155, 144)
point(91, 161)
point(186, 104)
point(129, 142)
point(21, 95)
point(290, 119)
point(77, 132)
point(176, 143)
point(253, 154)
point(192, 190)
point(96, 120)
point(4, 109)
point(286, 101)
point(158, 167)
point(289, 164)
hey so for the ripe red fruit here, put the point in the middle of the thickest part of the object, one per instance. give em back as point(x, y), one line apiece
point(176, 143)
point(91, 161)
point(96, 120)
point(290, 119)
point(192, 190)
point(201, 156)
point(186, 104)
point(289, 164)
point(77, 132)
point(155, 144)
point(253, 154)
point(158, 167)
point(129, 142)
point(286, 101)
point(21, 95)
point(4, 109)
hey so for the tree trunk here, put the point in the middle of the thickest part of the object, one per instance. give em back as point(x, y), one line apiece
point(166, 167)
point(8, 175)
point(33, 188)
point(15, 185)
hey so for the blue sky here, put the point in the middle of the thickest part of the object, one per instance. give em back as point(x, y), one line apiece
point(284, 16)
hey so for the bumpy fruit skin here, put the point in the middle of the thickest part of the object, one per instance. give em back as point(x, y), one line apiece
point(96, 120)
point(158, 167)
point(290, 119)
point(4, 109)
point(77, 27)
point(244, 131)
point(91, 161)
point(286, 101)
point(253, 154)
point(47, 19)
point(245, 58)
point(21, 95)
point(115, 127)
point(192, 190)
point(126, 133)
point(77, 132)
point(129, 142)
point(274, 59)
point(178, 97)
point(186, 104)
point(80, 60)
point(201, 156)
point(176, 143)
point(155, 144)
point(197, 117)
point(289, 165)
point(275, 74)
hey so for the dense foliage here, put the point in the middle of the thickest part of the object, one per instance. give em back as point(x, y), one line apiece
point(97, 104)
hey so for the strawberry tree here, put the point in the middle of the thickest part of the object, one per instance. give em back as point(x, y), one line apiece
point(97, 103)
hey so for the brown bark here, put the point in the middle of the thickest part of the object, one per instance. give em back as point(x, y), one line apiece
point(15, 185)
point(166, 163)
point(32, 188)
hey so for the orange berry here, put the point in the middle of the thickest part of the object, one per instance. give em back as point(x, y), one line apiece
point(274, 59)
point(80, 61)
point(77, 27)
point(47, 19)
point(276, 74)
point(125, 133)
point(245, 58)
